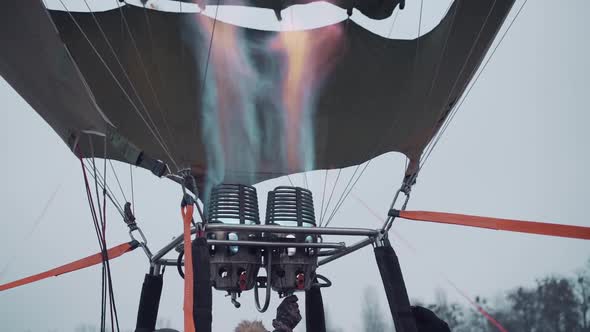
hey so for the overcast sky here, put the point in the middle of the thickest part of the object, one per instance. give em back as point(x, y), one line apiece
point(516, 149)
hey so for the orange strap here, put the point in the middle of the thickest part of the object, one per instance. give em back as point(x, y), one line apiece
point(187, 217)
point(461, 292)
point(73, 266)
point(575, 232)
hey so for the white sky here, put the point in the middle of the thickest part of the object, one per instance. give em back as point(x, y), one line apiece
point(517, 149)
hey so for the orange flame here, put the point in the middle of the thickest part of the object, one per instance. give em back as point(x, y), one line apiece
point(281, 74)
point(308, 55)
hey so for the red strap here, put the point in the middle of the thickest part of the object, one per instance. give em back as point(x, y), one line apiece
point(478, 307)
point(73, 266)
point(187, 217)
point(575, 232)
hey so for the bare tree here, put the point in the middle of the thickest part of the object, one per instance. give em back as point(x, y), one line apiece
point(582, 287)
point(451, 313)
point(558, 305)
point(373, 318)
point(330, 327)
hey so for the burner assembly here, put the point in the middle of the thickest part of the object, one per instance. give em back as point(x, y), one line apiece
point(233, 267)
point(282, 254)
point(239, 246)
point(292, 268)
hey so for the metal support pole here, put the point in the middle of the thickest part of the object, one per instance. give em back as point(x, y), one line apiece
point(293, 230)
point(169, 262)
point(170, 246)
point(326, 253)
point(267, 244)
point(348, 250)
point(273, 229)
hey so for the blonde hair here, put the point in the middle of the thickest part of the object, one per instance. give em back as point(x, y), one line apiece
point(247, 326)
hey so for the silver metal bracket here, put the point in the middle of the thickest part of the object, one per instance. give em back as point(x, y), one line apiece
point(405, 190)
point(157, 269)
point(143, 242)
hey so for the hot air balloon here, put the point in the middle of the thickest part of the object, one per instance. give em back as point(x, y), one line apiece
point(218, 107)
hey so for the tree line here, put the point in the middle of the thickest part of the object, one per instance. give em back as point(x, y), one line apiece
point(553, 304)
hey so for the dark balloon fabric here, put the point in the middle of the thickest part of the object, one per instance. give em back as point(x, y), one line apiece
point(375, 9)
point(369, 95)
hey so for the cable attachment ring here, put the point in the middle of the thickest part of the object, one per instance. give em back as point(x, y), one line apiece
point(264, 307)
point(326, 282)
point(393, 212)
point(186, 201)
point(143, 242)
point(405, 189)
point(130, 221)
point(189, 182)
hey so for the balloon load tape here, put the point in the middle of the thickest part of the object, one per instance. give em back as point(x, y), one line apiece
point(135, 156)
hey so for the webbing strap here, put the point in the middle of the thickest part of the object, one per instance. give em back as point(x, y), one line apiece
point(395, 288)
point(113, 252)
point(187, 216)
point(521, 226)
point(203, 295)
point(149, 303)
point(315, 318)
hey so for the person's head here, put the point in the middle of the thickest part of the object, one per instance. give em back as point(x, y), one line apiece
point(248, 326)
point(428, 321)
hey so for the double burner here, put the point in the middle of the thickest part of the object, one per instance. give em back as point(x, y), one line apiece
point(234, 268)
